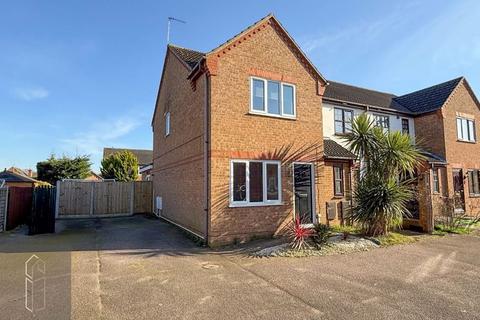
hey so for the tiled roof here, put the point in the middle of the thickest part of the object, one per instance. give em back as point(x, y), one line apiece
point(190, 57)
point(144, 156)
point(333, 150)
point(418, 102)
point(428, 99)
point(347, 93)
point(9, 176)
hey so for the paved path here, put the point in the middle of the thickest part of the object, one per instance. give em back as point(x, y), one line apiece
point(137, 268)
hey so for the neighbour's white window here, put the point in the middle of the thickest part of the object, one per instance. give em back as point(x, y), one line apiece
point(405, 126)
point(343, 121)
point(255, 182)
point(382, 121)
point(167, 124)
point(272, 98)
point(466, 129)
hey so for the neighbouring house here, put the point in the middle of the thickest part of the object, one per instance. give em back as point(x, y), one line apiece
point(93, 177)
point(26, 172)
point(247, 137)
point(146, 172)
point(144, 157)
point(441, 119)
point(13, 179)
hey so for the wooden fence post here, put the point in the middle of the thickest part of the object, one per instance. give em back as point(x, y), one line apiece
point(132, 198)
point(57, 200)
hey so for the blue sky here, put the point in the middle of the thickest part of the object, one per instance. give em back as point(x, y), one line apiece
point(77, 76)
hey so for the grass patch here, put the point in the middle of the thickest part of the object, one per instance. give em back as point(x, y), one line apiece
point(394, 238)
point(441, 229)
point(345, 229)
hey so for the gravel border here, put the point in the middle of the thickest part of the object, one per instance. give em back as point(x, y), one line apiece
point(335, 245)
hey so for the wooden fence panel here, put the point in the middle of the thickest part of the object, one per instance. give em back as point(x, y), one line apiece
point(97, 199)
point(75, 198)
point(112, 198)
point(143, 200)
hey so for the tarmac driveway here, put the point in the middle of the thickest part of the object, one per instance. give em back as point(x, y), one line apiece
point(140, 268)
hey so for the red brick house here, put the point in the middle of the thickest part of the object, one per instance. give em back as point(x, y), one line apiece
point(246, 137)
point(442, 120)
point(238, 142)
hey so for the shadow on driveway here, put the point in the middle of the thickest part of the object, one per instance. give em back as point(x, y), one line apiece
point(139, 234)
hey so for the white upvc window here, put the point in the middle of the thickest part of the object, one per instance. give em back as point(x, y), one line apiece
point(255, 183)
point(273, 98)
point(466, 129)
point(167, 124)
point(382, 121)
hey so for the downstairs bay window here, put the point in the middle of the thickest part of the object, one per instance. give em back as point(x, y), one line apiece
point(255, 183)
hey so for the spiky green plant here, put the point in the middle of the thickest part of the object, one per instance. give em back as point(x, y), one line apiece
point(387, 159)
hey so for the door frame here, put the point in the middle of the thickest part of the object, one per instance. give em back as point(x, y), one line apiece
point(314, 192)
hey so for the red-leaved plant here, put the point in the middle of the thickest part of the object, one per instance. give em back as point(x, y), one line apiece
point(299, 235)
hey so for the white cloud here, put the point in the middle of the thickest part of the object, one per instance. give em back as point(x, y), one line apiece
point(100, 135)
point(29, 94)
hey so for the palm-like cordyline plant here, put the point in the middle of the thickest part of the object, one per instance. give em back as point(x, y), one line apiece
point(382, 193)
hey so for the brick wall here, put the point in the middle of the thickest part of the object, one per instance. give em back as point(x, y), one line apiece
point(3, 207)
point(238, 134)
point(178, 166)
point(437, 132)
point(326, 192)
point(429, 132)
point(462, 155)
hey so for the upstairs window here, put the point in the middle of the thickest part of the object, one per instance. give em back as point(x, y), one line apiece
point(382, 121)
point(272, 98)
point(473, 182)
point(343, 121)
point(466, 129)
point(255, 183)
point(405, 126)
point(167, 124)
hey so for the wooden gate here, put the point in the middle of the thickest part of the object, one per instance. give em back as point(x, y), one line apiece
point(42, 218)
point(85, 199)
point(19, 206)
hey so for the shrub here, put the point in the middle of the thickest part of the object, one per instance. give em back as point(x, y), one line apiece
point(55, 169)
point(321, 235)
point(121, 166)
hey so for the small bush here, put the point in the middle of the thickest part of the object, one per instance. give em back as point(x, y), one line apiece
point(321, 235)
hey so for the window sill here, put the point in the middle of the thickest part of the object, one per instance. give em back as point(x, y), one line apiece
point(466, 141)
point(474, 195)
point(255, 204)
point(278, 116)
point(337, 196)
